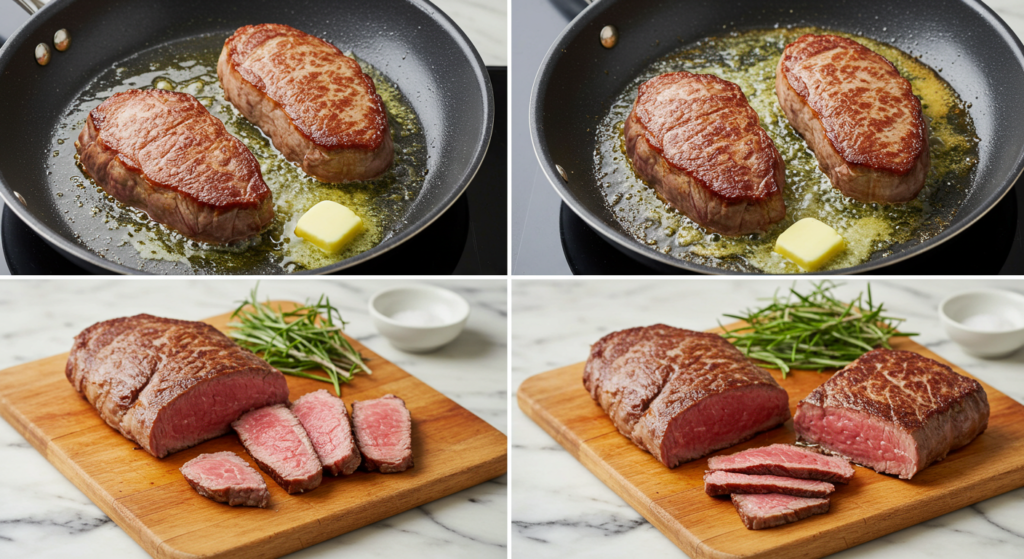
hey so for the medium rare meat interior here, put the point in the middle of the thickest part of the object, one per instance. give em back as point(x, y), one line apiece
point(325, 419)
point(226, 478)
point(893, 411)
point(383, 429)
point(169, 384)
point(276, 440)
point(680, 394)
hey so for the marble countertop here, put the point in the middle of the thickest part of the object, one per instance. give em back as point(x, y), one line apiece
point(44, 515)
point(560, 510)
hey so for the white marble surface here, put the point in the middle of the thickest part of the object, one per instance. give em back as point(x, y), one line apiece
point(561, 510)
point(44, 515)
point(485, 22)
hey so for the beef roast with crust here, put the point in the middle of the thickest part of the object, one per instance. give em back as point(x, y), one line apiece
point(680, 394)
point(226, 478)
point(893, 411)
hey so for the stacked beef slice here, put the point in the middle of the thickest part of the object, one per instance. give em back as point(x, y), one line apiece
point(777, 484)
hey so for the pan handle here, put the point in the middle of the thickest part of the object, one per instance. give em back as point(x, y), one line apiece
point(30, 6)
point(571, 8)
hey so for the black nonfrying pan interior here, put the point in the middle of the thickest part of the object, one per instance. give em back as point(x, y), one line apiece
point(410, 41)
point(973, 49)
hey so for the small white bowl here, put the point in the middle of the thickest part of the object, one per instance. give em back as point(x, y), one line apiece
point(419, 318)
point(985, 322)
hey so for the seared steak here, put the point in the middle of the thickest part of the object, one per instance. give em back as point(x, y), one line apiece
point(680, 394)
point(784, 460)
point(276, 440)
point(169, 384)
point(696, 140)
point(727, 483)
point(858, 115)
point(383, 429)
point(165, 154)
point(226, 478)
point(325, 419)
point(767, 511)
point(316, 104)
point(893, 411)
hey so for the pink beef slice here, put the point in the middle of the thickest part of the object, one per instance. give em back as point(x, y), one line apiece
point(766, 511)
point(226, 478)
point(276, 440)
point(726, 483)
point(680, 394)
point(169, 384)
point(325, 419)
point(784, 460)
point(383, 429)
point(893, 411)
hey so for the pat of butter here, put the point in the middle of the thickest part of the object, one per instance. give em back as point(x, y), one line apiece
point(809, 243)
point(329, 225)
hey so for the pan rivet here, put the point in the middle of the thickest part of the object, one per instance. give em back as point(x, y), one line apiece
point(43, 54)
point(561, 171)
point(62, 40)
point(20, 198)
point(609, 36)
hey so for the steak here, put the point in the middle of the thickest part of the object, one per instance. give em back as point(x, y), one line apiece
point(226, 478)
point(165, 154)
point(697, 141)
point(784, 460)
point(858, 115)
point(316, 104)
point(276, 440)
point(680, 394)
point(325, 420)
point(383, 429)
point(727, 483)
point(893, 411)
point(766, 511)
point(169, 384)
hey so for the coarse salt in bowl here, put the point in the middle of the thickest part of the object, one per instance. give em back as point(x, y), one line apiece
point(419, 318)
point(985, 322)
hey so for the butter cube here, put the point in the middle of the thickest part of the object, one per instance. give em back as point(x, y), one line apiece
point(809, 243)
point(329, 225)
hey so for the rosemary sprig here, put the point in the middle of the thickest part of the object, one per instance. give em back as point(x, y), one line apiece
point(300, 340)
point(815, 331)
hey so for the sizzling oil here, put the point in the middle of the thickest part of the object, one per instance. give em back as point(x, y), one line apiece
point(127, 236)
point(871, 230)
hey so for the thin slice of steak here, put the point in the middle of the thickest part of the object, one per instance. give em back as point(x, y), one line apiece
point(680, 394)
point(325, 419)
point(383, 429)
point(276, 440)
point(165, 154)
point(169, 384)
point(727, 483)
point(893, 411)
point(767, 511)
point(226, 478)
point(316, 104)
point(784, 460)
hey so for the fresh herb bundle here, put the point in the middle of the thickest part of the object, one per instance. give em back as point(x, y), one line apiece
point(296, 341)
point(815, 331)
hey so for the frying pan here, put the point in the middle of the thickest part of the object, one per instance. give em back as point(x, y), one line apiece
point(411, 41)
point(978, 55)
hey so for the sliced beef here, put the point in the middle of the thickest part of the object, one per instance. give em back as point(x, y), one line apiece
point(226, 478)
point(727, 483)
point(165, 154)
point(767, 511)
point(325, 419)
point(680, 394)
point(858, 115)
point(383, 429)
point(316, 104)
point(784, 460)
point(893, 411)
point(697, 141)
point(169, 384)
point(276, 440)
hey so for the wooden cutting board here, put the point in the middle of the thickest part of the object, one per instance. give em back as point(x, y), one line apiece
point(871, 506)
point(150, 499)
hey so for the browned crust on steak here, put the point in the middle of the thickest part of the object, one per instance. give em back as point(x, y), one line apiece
point(698, 142)
point(316, 104)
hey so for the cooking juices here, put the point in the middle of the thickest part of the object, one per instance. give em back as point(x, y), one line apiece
point(749, 59)
point(127, 236)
